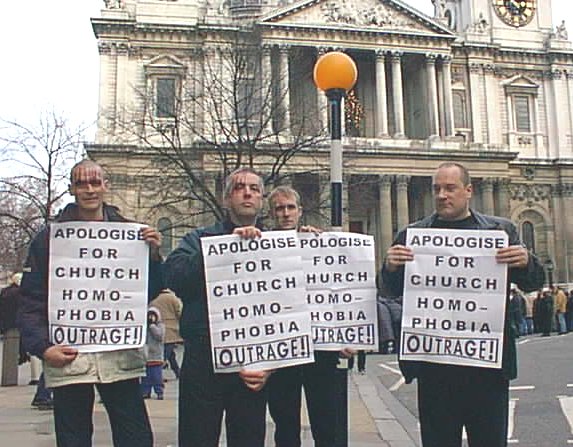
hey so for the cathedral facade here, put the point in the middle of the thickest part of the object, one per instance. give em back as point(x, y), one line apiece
point(487, 83)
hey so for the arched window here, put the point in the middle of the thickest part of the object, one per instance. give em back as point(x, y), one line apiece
point(166, 229)
point(528, 235)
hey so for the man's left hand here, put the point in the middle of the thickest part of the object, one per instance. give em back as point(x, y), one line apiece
point(514, 256)
point(151, 236)
point(248, 232)
point(255, 380)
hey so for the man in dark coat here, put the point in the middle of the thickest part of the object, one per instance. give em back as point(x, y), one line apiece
point(451, 396)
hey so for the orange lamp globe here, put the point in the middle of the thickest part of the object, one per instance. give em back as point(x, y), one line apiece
point(335, 70)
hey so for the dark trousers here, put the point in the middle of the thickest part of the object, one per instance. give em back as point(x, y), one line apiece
point(204, 396)
point(320, 387)
point(153, 379)
point(73, 411)
point(450, 398)
point(361, 361)
point(171, 357)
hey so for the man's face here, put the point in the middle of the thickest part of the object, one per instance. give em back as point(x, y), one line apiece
point(246, 198)
point(88, 187)
point(285, 212)
point(451, 196)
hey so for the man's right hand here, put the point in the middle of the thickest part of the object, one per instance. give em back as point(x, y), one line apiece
point(59, 356)
point(397, 256)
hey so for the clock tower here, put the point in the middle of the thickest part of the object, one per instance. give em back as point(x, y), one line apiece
point(508, 23)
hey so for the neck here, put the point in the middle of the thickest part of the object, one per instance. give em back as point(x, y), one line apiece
point(96, 214)
point(242, 221)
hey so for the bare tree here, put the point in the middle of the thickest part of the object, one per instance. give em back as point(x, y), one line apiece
point(230, 113)
point(34, 162)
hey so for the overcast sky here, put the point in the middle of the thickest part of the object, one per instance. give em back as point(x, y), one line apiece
point(50, 56)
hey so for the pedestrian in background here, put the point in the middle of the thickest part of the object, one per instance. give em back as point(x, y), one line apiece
point(154, 355)
point(560, 310)
point(170, 308)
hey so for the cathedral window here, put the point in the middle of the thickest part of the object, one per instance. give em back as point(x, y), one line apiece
point(528, 235)
point(165, 97)
point(522, 112)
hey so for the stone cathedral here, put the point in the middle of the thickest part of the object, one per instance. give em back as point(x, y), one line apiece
point(487, 83)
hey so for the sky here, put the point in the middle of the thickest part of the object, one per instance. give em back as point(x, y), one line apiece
point(50, 58)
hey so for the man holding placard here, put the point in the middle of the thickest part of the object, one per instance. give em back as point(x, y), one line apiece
point(456, 338)
point(205, 396)
point(319, 378)
point(80, 310)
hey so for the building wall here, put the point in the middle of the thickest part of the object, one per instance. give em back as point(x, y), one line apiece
point(388, 163)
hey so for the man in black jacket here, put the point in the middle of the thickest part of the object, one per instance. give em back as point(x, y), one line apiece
point(203, 395)
point(449, 396)
point(71, 374)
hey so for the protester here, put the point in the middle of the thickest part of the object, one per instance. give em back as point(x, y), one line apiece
point(170, 308)
point(529, 312)
point(452, 397)
point(318, 378)
point(71, 374)
point(203, 395)
point(154, 355)
point(518, 310)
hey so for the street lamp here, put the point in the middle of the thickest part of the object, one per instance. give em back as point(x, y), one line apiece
point(335, 73)
point(549, 266)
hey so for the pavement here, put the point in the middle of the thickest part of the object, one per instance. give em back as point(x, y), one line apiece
point(376, 417)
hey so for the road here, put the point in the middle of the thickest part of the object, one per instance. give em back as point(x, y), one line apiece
point(541, 398)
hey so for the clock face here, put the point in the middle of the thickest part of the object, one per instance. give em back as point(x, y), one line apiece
point(515, 12)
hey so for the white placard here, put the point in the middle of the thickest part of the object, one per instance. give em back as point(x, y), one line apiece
point(98, 285)
point(340, 280)
point(454, 297)
point(258, 317)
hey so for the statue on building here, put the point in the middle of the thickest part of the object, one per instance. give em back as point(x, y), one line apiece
point(113, 4)
point(439, 8)
point(481, 25)
point(561, 31)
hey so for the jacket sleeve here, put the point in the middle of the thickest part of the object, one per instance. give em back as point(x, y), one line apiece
point(531, 277)
point(183, 269)
point(33, 309)
point(392, 283)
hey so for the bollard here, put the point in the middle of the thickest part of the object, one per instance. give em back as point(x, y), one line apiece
point(10, 354)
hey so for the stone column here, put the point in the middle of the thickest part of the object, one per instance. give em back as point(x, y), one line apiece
point(503, 197)
point(475, 98)
point(448, 102)
point(381, 104)
point(267, 90)
point(284, 87)
point(345, 203)
point(566, 261)
point(122, 54)
point(433, 111)
point(322, 102)
point(385, 206)
point(106, 98)
point(396, 57)
point(402, 201)
point(487, 196)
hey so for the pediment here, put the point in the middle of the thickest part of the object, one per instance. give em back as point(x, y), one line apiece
point(166, 60)
point(520, 81)
point(359, 15)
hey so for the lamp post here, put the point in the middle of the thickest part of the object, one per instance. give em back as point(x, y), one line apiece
point(549, 266)
point(335, 73)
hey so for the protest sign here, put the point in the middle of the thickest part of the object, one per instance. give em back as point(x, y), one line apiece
point(340, 285)
point(454, 297)
point(258, 317)
point(98, 285)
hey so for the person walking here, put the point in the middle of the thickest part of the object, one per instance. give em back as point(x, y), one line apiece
point(560, 309)
point(170, 308)
point(451, 397)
